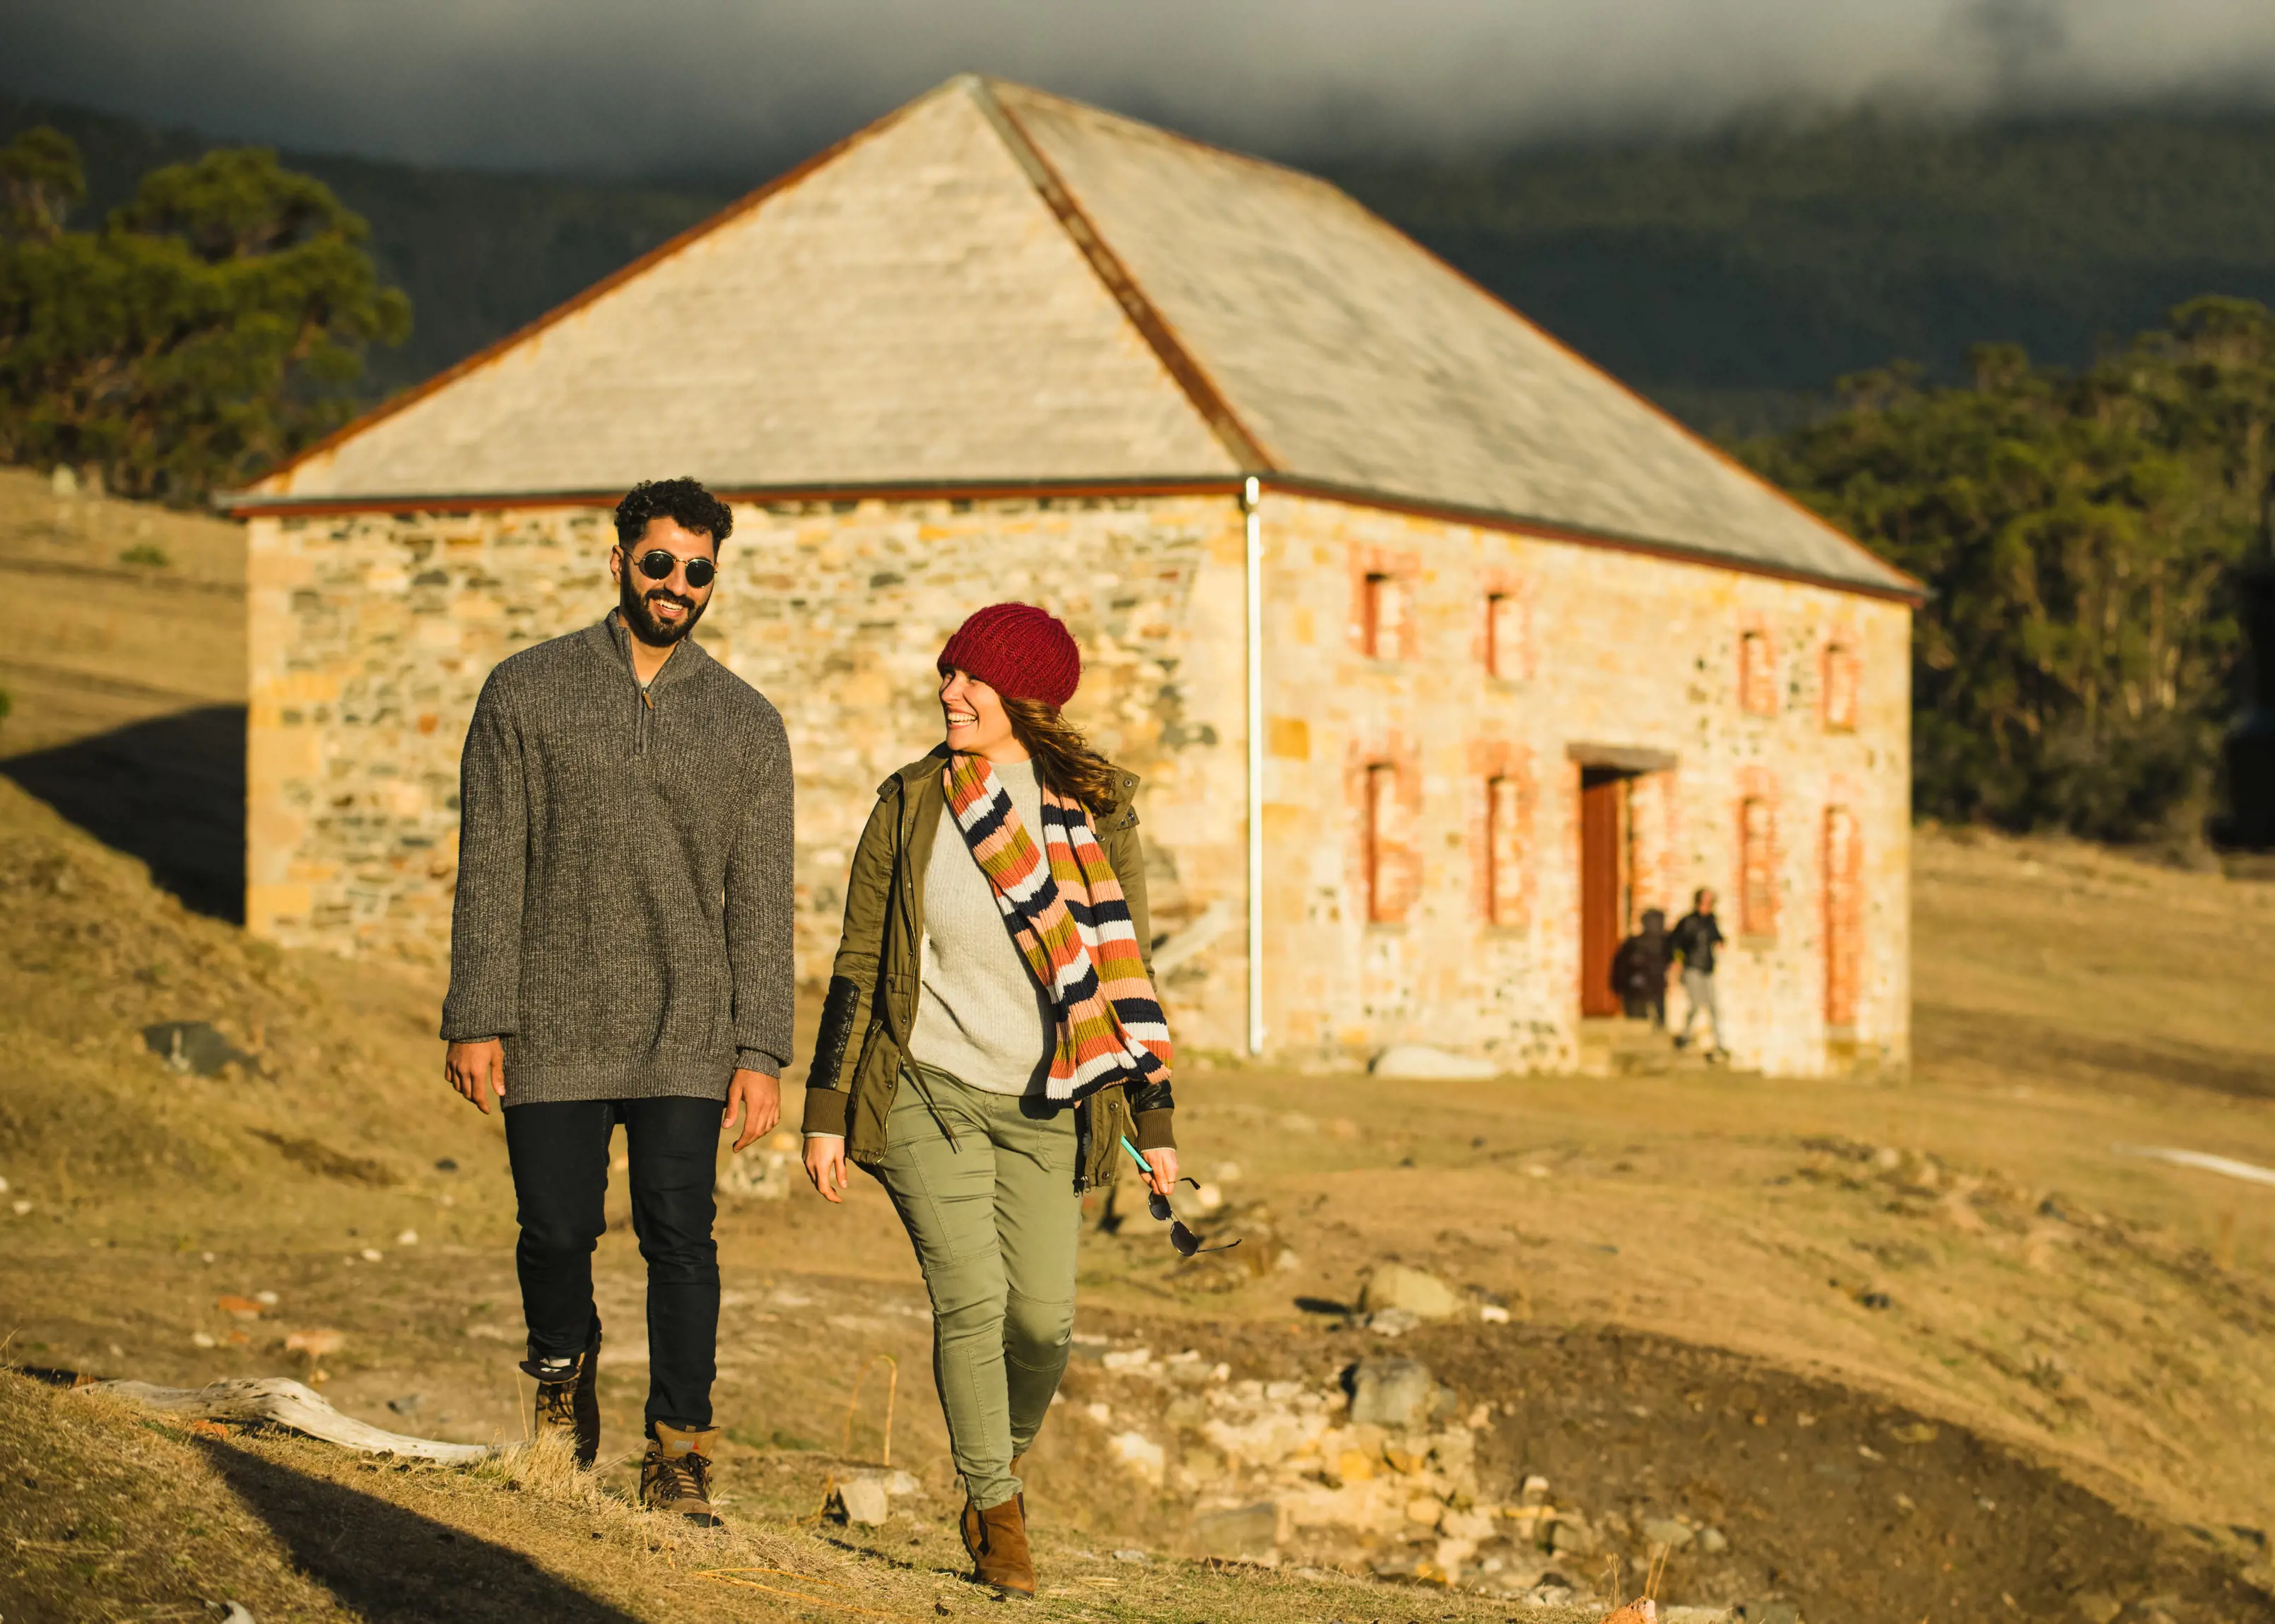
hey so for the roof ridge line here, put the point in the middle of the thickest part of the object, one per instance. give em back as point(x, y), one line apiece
point(498, 348)
point(1248, 452)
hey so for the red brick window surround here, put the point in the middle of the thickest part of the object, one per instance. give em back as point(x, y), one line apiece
point(1756, 673)
point(1383, 618)
point(1504, 850)
point(1504, 639)
point(1756, 867)
point(1844, 915)
point(1843, 677)
point(1389, 849)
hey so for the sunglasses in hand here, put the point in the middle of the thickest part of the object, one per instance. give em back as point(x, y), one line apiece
point(1187, 1243)
point(658, 565)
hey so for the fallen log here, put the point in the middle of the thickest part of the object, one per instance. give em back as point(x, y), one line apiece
point(279, 1400)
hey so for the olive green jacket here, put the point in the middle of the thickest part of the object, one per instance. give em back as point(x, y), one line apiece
point(872, 1002)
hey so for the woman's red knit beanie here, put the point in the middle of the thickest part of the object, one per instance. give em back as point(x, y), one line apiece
point(1021, 652)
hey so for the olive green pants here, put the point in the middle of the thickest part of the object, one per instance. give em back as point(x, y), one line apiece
point(985, 1184)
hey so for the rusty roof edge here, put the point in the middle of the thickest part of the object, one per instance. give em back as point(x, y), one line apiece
point(1247, 451)
point(497, 349)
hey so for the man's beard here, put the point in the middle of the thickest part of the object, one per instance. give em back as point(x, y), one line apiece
point(642, 624)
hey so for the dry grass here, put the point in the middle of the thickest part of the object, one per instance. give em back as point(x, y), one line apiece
point(135, 1516)
point(2103, 1314)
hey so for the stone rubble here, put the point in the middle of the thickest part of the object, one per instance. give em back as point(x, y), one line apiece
point(1375, 1472)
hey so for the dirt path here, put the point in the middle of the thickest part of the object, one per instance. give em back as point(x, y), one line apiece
point(1965, 1250)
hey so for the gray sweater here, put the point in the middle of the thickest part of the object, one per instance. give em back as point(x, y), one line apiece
point(624, 898)
point(981, 1016)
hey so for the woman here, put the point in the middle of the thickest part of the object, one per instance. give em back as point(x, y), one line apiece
point(991, 1035)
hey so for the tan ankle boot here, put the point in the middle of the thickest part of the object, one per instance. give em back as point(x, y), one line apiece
point(997, 1540)
point(676, 1474)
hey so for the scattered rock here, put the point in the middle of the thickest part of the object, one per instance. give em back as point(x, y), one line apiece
point(1666, 1531)
point(1131, 1556)
point(1391, 1322)
point(1423, 1295)
point(1420, 1061)
point(407, 1404)
point(2098, 1608)
point(1142, 1454)
point(1713, 1541)
point(862, 1500)
point(757, 1174)
point(192, 1047)
point(447, 1164)
point(1398, 1393)
point(1242, 1531)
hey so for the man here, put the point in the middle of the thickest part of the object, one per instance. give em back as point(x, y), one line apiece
point(620, 953)
point(1696, 936)
point(1639, 970)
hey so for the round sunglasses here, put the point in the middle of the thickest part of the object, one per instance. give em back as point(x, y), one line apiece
point(658, 565)
point(1187, 1243)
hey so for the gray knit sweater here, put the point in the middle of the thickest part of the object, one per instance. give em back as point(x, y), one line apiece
point(623, 909)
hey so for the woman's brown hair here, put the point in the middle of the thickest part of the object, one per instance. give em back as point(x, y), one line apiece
point(1064, 760)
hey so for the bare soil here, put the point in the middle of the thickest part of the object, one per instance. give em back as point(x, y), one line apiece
point(1965, 1252)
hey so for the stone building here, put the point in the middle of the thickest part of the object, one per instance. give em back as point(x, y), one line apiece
point(1442, 654)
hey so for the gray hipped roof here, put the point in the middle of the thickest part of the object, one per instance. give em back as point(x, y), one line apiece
point(997, 286)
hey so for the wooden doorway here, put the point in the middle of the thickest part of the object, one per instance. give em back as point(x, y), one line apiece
point(1604, 883)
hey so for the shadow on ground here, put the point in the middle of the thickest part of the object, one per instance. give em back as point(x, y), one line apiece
point(1944, 1034)
point(385, 1563)
point(170, 791)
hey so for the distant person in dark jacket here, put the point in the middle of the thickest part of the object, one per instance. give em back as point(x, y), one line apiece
point(1639, 970)
point(1696, 936)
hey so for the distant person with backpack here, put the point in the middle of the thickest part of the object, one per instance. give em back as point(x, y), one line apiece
point(1696, 936)
point(1639, 970)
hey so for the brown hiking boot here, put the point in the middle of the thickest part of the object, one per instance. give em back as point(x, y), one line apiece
point(997, 1540)
point(676, 1474)
point(568, 1398)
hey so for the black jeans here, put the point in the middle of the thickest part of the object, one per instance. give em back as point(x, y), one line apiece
point(560, 1157)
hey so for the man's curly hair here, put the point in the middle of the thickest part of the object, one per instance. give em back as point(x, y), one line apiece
point(682, 501)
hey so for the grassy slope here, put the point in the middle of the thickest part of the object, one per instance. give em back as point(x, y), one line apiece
point(2101, 1313)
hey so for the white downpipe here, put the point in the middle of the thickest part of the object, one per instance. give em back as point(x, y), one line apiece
point(1252, 495)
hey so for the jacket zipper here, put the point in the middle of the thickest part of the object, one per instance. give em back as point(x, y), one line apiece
point(639, 738)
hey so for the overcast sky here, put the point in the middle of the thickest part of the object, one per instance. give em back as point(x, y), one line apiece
point(649, 87)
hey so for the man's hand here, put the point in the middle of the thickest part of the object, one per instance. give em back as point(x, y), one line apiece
point(825, 1165)
point(758, 1098)
point(1162, 1176)
point(477, 1070)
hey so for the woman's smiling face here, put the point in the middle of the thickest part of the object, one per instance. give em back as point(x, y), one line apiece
point(975, 720)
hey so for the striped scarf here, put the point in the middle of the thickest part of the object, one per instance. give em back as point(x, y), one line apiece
point(1073, 928)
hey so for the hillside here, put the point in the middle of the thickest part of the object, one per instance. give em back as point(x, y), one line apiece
point(1865, 1350)
point(1731, 277)
point(479, 254)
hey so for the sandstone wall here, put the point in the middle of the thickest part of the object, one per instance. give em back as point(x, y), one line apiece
point(372, 633)
point(1616, 650)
